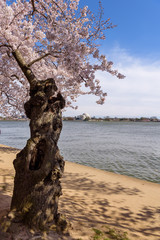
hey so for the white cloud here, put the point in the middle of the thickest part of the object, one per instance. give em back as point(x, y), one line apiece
point(136, 95)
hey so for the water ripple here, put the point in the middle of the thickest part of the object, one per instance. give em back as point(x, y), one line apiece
point(127, 148)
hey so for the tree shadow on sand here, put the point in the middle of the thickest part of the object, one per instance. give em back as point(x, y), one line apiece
point(80, 204)
point(7, 177)
point(6, 188)
point(9, 150)
point(86, 202)
point(5, 201)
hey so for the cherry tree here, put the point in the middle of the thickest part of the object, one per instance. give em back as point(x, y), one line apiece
point(48, 54)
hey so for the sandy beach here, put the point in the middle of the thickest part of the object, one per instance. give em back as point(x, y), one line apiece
point(94, 198)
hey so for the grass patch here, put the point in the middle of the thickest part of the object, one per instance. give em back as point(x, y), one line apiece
point(109, 234)
point(98, 234)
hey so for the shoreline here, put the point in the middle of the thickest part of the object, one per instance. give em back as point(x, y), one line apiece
point(108, 172)
point(116, 147)
point(94, 198)
point(116, 119)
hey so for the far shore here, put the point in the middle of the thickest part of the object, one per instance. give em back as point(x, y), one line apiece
point(96, 119)
point(95, 198)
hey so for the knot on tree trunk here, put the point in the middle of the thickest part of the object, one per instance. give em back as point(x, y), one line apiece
point(39, 166)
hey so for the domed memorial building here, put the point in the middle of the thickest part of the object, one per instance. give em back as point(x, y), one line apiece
point(83, 117)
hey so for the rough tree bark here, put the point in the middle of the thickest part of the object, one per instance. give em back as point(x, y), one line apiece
point(39, 166)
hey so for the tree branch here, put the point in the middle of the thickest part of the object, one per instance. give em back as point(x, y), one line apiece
point(82, 78)
point(14, 75)
point(9, 100)
point(34, 9)
point(16, 16)
point(59, 8)
point(25, 68)
point(38, 59)
point(5, 45)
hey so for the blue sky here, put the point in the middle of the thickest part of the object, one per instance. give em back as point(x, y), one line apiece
point(134, 47)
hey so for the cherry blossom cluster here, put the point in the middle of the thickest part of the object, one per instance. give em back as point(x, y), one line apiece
point(56, 40)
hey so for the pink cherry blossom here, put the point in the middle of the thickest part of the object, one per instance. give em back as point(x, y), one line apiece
point(55, 39)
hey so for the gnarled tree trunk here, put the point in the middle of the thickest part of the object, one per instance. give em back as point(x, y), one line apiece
point(39, 165)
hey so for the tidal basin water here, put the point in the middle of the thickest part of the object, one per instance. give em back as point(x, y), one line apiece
point(128, 148)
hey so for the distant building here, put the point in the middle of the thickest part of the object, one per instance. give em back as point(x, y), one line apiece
point(83, 117)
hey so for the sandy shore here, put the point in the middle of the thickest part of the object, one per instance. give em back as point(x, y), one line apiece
point(94, 198)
